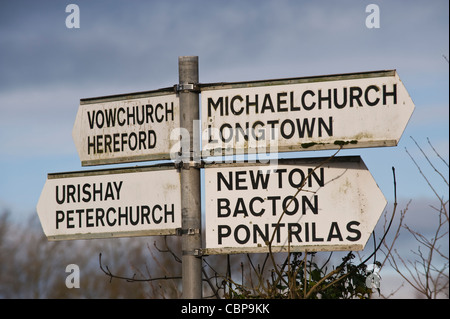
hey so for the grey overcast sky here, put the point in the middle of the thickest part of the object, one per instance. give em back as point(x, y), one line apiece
point(130, 46)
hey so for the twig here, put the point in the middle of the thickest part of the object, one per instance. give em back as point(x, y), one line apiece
point(379, 245)
point(421, 173)
point(438, 155)
point(167, 250)
point(299, 189)
point(428, 160)
point(390, 222)
point(130, 279)
point(305, 286)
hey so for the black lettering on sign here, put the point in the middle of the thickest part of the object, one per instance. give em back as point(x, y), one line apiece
point(305, 127)
point(311, 105)
point(366, 95)
point(121, 216)
point(223, 204)
point(352, 230)
point(238, 180)
point(267, 104)
point(258, 206)
point(355, 95)
point(393, 93)
point(86, 192)
point(335, 232)
point(60, 216)
point(324, 98)
point(344, 99)
point(261, 211)
point(281, 101)
point(338, 97)
point(294, 230)
point(297, 233)
point(240, 208)
point(223, 231)
point(169, 110)
point(296, 177)
point(215, 105)
point(238, 237)
point(233, 100)
point(251, 103)
point(257, 232)
point(121, 142)
point(130, 115)
point(99, 215)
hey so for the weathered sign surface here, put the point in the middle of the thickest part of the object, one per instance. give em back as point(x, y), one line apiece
point(126, 128)
point(111, 203)
point(248, 205)
point(367, 109)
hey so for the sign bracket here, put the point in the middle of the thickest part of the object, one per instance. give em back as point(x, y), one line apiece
point(186, 87)
point(188, 164)
point(188, 231)
point(198, 252)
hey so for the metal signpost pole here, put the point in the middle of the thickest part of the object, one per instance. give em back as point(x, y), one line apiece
point(121, 128)
point(190, 179)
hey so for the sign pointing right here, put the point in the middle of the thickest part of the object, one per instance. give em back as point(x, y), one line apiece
point(249, 205)
point(367, 109)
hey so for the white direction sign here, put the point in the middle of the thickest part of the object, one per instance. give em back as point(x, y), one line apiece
point(111, 203)
point(126, 128)
point(337, 208)
point(324, 112)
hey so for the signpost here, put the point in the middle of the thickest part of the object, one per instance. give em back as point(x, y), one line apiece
point(137, 201)
point(126, 128)
point(302, 114)
point(249, 205)
point(191, 242)
point(298, 205)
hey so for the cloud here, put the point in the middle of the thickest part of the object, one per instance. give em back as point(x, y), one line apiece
point(36, 122)
point(124, 47)
point(118, 43)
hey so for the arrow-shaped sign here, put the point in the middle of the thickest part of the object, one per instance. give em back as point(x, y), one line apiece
point(125, 202)
point(126, 128)
point(337, 208)
point(366, 109)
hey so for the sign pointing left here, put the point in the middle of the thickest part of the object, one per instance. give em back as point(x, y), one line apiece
point(111, 203)
point(126, 128)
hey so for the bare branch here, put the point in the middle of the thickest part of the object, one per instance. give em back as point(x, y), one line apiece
point(167, 250)
point(423, 175)
point(130, 279)
point(428, 160)
point(438, 155)
point(422, 273)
